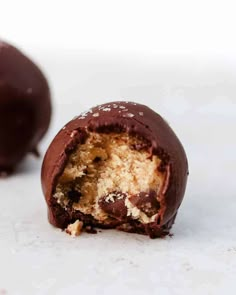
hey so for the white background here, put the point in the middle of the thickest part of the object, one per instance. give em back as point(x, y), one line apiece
point(179, 57)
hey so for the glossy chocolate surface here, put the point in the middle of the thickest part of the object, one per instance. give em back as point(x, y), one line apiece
point(158, 139)
point(25, 106)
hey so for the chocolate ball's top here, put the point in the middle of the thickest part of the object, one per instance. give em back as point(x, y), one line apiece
point(25, 106)
point(119, 117)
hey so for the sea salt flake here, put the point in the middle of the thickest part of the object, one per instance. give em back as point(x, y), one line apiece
point(106, 110)
point(129, 115)
point(73, 133)
point(110, 198)
point(96, 115)
point(85, 113)
point(120, 196)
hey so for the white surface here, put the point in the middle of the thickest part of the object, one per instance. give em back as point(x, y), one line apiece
point(199, 103)
point(179, 58)
point(203, 26)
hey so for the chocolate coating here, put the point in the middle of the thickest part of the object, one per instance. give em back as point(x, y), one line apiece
point(159, 139)
point(146, 202)
point(116, 208)
point(25, 106)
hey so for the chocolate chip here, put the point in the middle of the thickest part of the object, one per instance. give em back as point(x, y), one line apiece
point(85, 171)
point(97, 159)
point(74, 196)
point(114, 205)
point(146, 202)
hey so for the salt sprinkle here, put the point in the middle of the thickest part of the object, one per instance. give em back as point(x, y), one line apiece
point(110, 198)
point(85, 113)
point(106, 110)
point(96, 115)
point(129, 115)
point(120, 196)
point(73, 133)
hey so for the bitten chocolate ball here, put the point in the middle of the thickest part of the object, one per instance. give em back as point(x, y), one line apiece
point(25, 107)
point(119, 165)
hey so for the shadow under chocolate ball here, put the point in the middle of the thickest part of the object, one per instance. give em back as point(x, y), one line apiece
point(119, 165)
point(25, 107)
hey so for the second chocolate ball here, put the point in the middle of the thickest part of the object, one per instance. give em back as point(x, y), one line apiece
point(25, 107)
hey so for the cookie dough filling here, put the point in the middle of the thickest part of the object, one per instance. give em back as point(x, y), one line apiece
point(112, 177)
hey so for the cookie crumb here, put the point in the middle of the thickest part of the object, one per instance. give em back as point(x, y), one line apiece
point(75, 228)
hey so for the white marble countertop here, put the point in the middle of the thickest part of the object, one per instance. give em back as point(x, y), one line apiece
point(198, 98)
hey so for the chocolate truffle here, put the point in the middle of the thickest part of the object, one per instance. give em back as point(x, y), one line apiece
point(118, 165)
point(25, 107)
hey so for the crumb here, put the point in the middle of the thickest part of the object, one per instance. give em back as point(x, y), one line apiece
point(75, 228)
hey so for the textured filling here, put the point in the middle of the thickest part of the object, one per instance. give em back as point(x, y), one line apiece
point(111, 176)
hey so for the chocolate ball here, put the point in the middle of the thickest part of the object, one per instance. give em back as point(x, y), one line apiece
point(25, 107)
point(126, 166)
